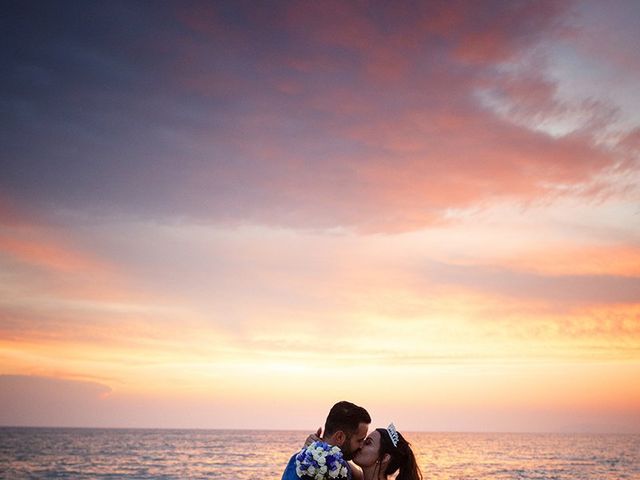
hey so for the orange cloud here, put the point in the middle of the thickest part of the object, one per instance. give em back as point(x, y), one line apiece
point(621, 260)
point(50, 268)
point(48, 254)
point(26, 240)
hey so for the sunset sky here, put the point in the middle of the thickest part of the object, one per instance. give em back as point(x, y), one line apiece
point(234, 214)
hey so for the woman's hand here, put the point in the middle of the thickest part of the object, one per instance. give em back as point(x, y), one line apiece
point(314, 437)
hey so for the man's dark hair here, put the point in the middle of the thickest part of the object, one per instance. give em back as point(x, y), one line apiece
point(345, 416)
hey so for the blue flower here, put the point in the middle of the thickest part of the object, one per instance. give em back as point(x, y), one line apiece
point(319, 458)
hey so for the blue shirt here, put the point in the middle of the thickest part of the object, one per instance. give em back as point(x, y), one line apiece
point(290, 471)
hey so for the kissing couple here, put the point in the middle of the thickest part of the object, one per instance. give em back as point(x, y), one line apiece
point(345, 452)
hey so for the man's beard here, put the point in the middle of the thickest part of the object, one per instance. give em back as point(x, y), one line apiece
point(347, 453)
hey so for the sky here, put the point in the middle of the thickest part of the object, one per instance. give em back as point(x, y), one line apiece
point(235, 214)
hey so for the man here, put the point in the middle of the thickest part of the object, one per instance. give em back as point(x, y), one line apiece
point(346, 427)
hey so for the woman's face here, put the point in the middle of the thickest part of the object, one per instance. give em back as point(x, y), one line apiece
point(368, 454)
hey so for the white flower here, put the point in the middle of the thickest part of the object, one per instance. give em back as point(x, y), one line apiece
point(312, 463)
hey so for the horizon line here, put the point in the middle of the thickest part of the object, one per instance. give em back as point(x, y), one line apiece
point(467, 432)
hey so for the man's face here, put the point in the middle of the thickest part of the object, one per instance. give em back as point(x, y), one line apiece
point(354, 442)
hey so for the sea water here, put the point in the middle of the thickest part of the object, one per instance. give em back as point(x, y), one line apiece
point(244, 454)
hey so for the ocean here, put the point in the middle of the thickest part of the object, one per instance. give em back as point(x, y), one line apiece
point(45, 453)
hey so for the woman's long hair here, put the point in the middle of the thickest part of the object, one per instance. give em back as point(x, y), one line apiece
point(402, 457)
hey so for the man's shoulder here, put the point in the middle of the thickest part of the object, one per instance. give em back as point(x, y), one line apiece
point(290, 470)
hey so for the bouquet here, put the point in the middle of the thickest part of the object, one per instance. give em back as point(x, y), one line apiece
point(320, 461)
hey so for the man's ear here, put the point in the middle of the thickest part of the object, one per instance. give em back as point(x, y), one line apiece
point(339, 438)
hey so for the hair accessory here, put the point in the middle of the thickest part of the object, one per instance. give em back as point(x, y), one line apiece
point(393, 434)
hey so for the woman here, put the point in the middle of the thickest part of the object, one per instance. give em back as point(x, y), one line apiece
point(385, 452)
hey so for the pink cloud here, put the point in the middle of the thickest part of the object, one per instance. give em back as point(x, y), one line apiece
point(334, 114)
point(609, 35)
point(411, 137)
point(497, 32)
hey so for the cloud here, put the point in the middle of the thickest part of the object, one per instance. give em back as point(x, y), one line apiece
point(45, 260)
point(42, 401)
point(300, 115)
point(46, 253)
point(55, 402)
point(613, 260)
point(610, 35)
point(564, 289)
